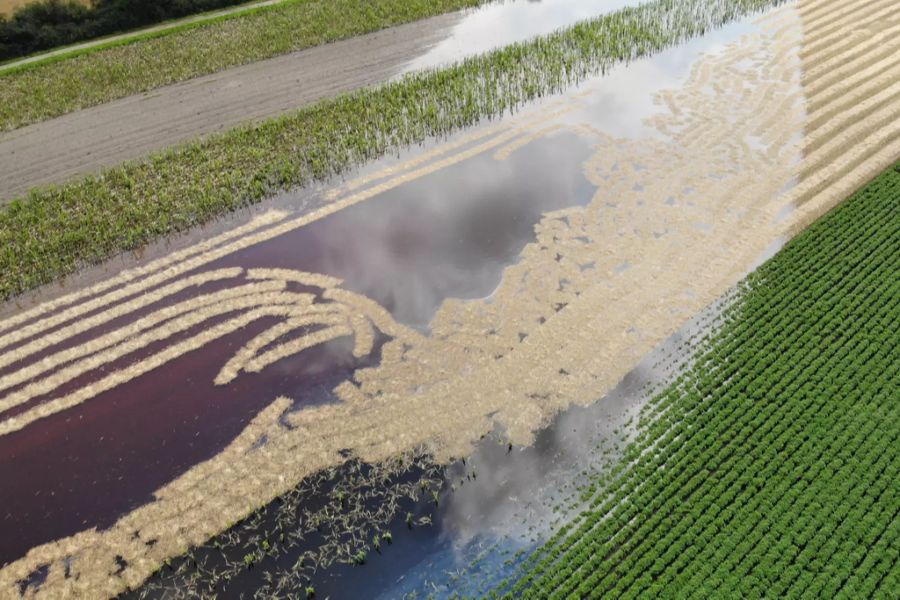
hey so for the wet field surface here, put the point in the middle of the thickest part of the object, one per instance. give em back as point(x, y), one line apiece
point(503, 23)
point(446, 235)
point(489, 511)
point(146, 386)
point(103, 136)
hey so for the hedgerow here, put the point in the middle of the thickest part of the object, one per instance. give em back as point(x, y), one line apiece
point(49, 23)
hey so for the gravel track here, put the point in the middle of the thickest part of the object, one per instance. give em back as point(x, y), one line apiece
point(86, 141)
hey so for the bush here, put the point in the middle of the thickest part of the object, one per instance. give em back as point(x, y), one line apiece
point(49, 23)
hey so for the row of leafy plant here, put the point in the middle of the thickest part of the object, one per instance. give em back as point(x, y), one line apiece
point(53, 232)
point(51, 87)
point(770, 468)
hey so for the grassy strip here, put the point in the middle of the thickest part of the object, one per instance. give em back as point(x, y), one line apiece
point(55, 231)
point(167, 27)
point(35, 92)
point(772, 472)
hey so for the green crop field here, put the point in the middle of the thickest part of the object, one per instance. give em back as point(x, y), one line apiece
point(46, 89)
point(770, 468)
point(55, 231)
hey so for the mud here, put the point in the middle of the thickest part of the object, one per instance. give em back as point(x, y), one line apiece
point(688, 209)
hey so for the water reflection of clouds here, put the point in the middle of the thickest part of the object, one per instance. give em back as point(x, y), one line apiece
point(514, 502)
point(515, 495)
point(620, 101)
point(503, 23)
point(451, 233)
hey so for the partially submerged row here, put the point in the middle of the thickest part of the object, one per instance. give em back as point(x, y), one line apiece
point(54, 232)
point(768, 468)
point(37, 91)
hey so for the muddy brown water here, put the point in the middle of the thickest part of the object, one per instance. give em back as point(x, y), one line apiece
point(483, 527)
point(449, 234)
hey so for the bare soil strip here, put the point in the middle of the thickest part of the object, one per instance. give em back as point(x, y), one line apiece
point(689, 213)
point(7, 6)
point(86, 141)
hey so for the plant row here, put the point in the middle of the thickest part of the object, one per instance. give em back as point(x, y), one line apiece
point(53, 232)
point(50, 87)
point(771, 470)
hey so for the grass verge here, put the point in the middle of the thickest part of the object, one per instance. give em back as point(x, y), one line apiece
point(160, 29)
point(53, 232)
point(35, 92)
point(770, 467)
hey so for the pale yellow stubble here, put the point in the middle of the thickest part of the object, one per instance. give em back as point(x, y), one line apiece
point(124, 284)
point(269, 305)
point(104, 316)
point(594, 327)
point(108, 341)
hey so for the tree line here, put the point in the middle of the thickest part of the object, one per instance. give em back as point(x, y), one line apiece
point(50, 23)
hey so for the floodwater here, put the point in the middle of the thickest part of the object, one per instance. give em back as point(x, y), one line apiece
point(495, 506)
point(522, 495)
point(448, 234)
point(507, 22)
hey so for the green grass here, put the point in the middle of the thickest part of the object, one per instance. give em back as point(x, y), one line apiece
point(771, 468)
point(35, 92)
point(112, 40)
point(54, 232)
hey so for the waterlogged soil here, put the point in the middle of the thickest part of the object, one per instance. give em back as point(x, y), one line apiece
point(502, 23)
point(449, 234)
point(103, 136)
point(418, 236)
point(493, 507)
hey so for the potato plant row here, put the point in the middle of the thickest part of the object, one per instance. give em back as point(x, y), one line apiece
point(769, 468)
point(55, 231)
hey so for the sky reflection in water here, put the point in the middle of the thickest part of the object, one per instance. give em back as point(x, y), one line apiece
point(503, 23)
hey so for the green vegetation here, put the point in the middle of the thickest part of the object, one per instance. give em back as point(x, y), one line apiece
point(55, 231)
point(49, 23)
point(770, 468)
point(35, 92)
point(337, 516)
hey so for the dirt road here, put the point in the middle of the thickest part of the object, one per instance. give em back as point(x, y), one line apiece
point(89, 140)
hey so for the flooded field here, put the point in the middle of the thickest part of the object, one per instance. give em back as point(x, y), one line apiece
point(444, 235)
point(472, 298)
point(502, 23)
point(132, 127)
point(459, 528)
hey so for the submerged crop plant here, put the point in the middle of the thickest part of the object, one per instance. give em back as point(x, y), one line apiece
point(52, 232)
